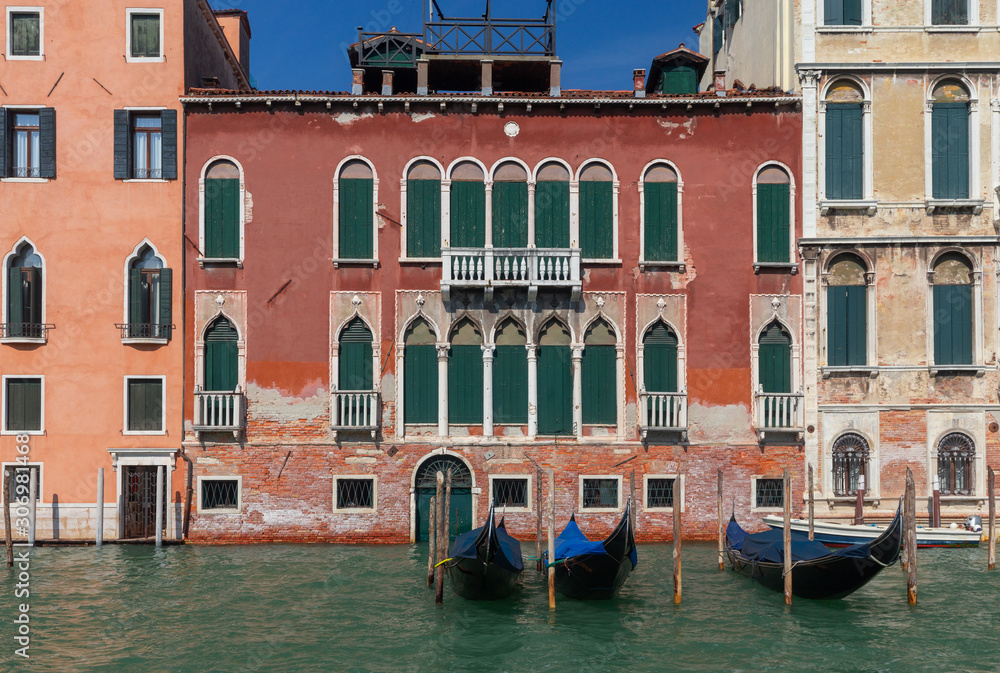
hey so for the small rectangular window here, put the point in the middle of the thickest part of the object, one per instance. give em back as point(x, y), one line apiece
point(26, 146)
point(22, 405)
point(600, 493)
point(355, 493)
point(145, 405)
point(146, 144)
point(24, 33)
point(842, 12)
point(659, 493)
point(510, 492)
point(219, 494)
point(145, 35)
point(950, 12)
point(19, 482)
point(769, 494)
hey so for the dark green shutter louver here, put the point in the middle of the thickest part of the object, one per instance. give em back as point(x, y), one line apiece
point(25, 34)
point(661, 221)
point(15, 299)
point(168, 121)
point(659, 355)
point(510, 214)
point(357, 218)
point(221, 357)
point(510, 385)
point(775, 360)
point(551, 214)
point(222, 218)
point(953, 325)
point(842, 13)
point(600, 405)
point(145, 36)
point(47, 142)
point(420, 384)
point(773, 223)
point(468, 214)
point(423, 218)
point(555, 390)
point(950, 150)
point(35, 291)
point(166, 316)
point(135, 313)
point(465, 385)
point(145, 405)
point(844, 152)
point(680, 79)
point(717, 31)
point(4, 142)
point(24, 405)
point(356, 368)
point(847, 319)
point(123, 146)
point(596, 220)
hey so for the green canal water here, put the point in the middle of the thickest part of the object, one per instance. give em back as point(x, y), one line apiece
point(293, 608)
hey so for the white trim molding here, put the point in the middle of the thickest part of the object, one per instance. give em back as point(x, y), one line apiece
point(202, 260)
point(126, 401)
point(337, 260)
point(129, 12)
point(598, 510)
point(337, 478)
point(974, 197)
point(403, 218)
point(529, 500)
point(791, 264)
point(3, 407)
point(216, 511)
point(41, 33)
point(680, 215)
point(645, 492)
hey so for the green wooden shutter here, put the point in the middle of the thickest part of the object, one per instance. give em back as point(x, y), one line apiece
point(135, 313)
point(468, 214)
point(659, 355)
point(222, 218)
point(596, 220)
point(221, 357)
point(857, 326)
point(680, 79)
point(356, 369)
point(551, 214)
point(15, 301)
point(25, 34)
point(24, 405)
point(600, 404)
point(717, 31)
point(168, 122)
point(145, 405)
point(356, 218)
point(510, 214)
point(420, 384)
point(465, 385)
point(166, 317)
point(661, 221)
point(510, 385)
point(35, 292)
point(423, 218)
point(123, 146)
point(555, 390)
point(775, 361)
point(145, 36)
point(844, 152)
point(47, 142)
point(950, 150)
point(773, 235)
point(847, 319)
point(852, 12)
point(833, 12)
point(953, 325)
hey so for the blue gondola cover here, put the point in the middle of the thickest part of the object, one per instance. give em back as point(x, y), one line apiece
point(769, 546)
point(510, 549)
point(572, 542)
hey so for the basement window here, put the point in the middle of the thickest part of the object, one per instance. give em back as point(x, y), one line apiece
point(600, 493)
point(354, 494)
point(510, 493)
point(220, 495)
point(769, 493)
point(659, 493)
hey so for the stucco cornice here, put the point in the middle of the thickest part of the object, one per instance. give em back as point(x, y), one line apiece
point(914, 66)
point(882, 241)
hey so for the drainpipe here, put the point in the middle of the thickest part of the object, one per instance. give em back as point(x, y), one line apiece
point(188, 494)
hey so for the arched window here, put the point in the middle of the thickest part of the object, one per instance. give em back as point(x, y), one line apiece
point(844, 141)
point(597, 212)
point(221, 357)
point(659, 353)
point(223, 211)
point(420, 375)
point(850, 464)
point(423, 210)
point(956, 455)
point(660, 211)
point(950, 163)
point(775, 359)
point(552, 207)
point(468, 206)
point(953, 311)
point(598, 367)
point(425, 487)
point(510, 206)
point(555, 380)
point(847, 313)
point(510, 375)
point(465, 375)
point(773, 197)
point(24, 295)
point(355, 358)
point(150, 296)
point(356, 211)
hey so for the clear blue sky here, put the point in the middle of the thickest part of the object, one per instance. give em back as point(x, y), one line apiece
point(302, 44)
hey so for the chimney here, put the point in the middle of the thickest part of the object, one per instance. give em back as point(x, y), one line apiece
point(639, 82)
point(387, 82)
point(555, 79)
point(357, 81)
point(720, 83)
point(236, 27)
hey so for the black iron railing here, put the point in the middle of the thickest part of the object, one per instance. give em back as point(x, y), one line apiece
point(26, 172)
point(24, 330)
point(388, 50)
point(145, 330)
point(506, 37)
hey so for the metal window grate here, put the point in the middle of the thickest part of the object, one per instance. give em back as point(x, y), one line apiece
point(770, 493)
point(850, 463)
point(355, 494)
point(20, 483)
point(601, 493)
point(956, 456)
point(510, 492)
point(220, 494)
point(660, 493)
point(460, 475)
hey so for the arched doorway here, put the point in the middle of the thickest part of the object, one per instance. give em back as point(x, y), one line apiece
point(460, 519)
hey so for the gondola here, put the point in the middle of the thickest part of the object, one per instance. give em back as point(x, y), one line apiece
point(840, 534)
point(817, 570)
point(485, 563)
point(595, 570)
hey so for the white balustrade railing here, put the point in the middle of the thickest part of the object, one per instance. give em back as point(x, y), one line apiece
point(222, 411)
point(481, 267)
point(780, 411)
point(663, 411)
point(355, 410)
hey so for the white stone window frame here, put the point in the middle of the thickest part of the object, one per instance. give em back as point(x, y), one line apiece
point(978, 326)
point(598, 510)
point(4, 281)
point(936, 431)
point(443, 348)
point(39, 465)
point(163, 405)
point(972, 25)
point(127, 291)
point(200, 348)
point(132, 112)
point(148, 457)
point(677, 478)
point(431, 455)
point(202, 260)
point(681, 353)
point(620, 401)
point(23, 108)
point(574, 208)
point(873, 472)
point(867, 201)
point(796, 363)
point(866, 19)
point(223, 511)
point(41, 32)
point(335, 354)
point(974, 197)
point(753, 493)
point(337, 260)
point(574, 200)
point(491, 179)
point(356, 510)
point(791, 264)
point(679, 262)
point(529, 499)
point(403, 218)
point(3, 411)
point(446, 201)
point(871, 314)
point(129, 13)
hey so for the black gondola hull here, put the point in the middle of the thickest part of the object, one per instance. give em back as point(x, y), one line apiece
point(475, 580)
point(592, 576)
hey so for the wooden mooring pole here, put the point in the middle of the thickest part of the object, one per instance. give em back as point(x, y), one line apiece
point(447, 515)
point(552, 539)
point(538, 529)
point(431, 541)
point(159, 505)
point(99, 537)
point(6, 518)
point(441, 533)
point(812, 504)
point(722, 565)
point(911, 539)
point(990, 485)
point(936, 503)
point(859, 503)
point(678, 503)
point(787, 497)
point(32, 505)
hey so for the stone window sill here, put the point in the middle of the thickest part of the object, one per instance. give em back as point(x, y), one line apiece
point(220, 261)
point(975, 205)
point(870, 372)
point(679, 267)
point(957, 370)
point(776, 266)
point(355, 262)
point(850, 204)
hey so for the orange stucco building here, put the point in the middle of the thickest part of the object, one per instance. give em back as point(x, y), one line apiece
point(91, 229)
